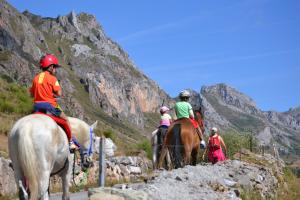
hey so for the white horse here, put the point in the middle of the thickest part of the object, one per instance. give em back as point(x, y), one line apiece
point(155, 149)
point(38, 148)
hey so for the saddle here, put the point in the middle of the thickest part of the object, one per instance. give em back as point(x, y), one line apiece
point(61, 122)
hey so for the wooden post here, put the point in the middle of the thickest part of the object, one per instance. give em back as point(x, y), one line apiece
point(251, 142)
point(102, 164)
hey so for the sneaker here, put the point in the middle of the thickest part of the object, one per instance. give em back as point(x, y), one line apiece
point(72, 147)
point(202, 144)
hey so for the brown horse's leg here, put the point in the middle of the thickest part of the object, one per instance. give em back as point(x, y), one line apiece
point(194, 155)
point(187, 156)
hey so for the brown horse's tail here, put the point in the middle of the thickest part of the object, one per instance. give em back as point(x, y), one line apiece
point(177, 147)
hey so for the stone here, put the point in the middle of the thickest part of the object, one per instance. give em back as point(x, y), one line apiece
point(126, 194)
point(134, 170)
point(101, 196)
point(7, 181)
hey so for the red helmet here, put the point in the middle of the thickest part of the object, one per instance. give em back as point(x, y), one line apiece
point(48, 60)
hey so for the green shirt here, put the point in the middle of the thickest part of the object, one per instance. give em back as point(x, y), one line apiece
point(182, 109)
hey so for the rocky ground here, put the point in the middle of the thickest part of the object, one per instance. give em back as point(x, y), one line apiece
point(256, 176)
point(232, 179)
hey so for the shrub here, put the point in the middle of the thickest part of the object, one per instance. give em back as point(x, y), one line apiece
point(110, 134)
point(145, 145)
point(235, 141)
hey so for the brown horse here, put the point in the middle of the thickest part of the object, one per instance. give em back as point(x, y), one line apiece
point(183, 141)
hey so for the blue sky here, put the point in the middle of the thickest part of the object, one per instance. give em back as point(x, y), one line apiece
point(251, 45)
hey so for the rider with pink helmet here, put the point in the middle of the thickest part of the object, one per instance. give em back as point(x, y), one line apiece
point(164, 123)
point(165, 118)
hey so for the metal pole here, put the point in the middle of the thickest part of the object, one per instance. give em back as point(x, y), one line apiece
point(102, 164)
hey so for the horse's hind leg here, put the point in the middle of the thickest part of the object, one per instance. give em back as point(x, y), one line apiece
point(187, 156)
point(66, 177)
point(44, 185)
point(21, 182)
point(194, 156)
point(24, 192)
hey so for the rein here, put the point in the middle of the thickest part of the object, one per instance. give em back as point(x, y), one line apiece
point(73, 170)
point(82, 152)
point(66, 161)
point(90, 149)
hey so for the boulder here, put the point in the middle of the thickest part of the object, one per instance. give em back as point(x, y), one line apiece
point(7, 181)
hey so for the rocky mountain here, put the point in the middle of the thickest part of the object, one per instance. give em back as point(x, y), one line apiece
point(101, 82)
point(98, 78)
point(231, 110)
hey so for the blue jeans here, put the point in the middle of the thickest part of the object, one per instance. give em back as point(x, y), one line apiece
point(47, 108)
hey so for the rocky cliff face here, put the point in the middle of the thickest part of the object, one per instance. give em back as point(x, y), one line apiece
point(97, 75)
point(100, 81)
point(229, 109)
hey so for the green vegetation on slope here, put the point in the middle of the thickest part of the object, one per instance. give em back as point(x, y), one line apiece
point(235, 141)
point(14, 98)
point(290, 189)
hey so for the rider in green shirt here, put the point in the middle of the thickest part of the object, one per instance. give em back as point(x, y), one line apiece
point(183, 109)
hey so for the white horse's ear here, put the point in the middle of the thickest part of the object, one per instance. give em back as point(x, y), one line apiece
point(93, 126)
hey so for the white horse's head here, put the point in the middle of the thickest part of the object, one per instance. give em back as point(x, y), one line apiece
point(83, 136)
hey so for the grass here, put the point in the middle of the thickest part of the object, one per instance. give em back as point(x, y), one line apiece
point(110, 134)
point(5, 55)
point(145, 145)
point(14, 98)
point(151, 122)
point(291, 190)
point(235, 141)
point(250, 195)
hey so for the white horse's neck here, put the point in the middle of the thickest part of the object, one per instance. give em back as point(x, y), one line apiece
point(79, 129)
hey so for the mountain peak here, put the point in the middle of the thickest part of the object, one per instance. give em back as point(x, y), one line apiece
point(230, 96)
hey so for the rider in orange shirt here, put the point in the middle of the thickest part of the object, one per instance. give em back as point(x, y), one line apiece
point(45, 87)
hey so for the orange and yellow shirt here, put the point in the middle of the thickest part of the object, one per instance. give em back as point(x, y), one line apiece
point(44, 86)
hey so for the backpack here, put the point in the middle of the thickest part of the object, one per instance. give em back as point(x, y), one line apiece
point(214, 142)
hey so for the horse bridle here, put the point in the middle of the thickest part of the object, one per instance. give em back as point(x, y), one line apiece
point(85, 154)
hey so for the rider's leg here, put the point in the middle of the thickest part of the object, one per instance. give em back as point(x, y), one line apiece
point(199, 133)
point(62, 115)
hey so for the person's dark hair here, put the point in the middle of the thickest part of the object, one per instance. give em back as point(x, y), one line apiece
point(44, 68)
point(47, 68)
point(201, 111)
point(184, 98)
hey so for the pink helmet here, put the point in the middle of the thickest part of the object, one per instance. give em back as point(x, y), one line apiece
point(164, 109)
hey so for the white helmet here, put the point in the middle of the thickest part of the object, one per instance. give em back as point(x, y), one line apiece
point(184, 93)
point(164, 109)
point(214, 129)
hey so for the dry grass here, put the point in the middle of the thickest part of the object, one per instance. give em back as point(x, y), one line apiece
point(291, 189)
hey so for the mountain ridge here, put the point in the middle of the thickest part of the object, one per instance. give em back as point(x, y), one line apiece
point(100, 81)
